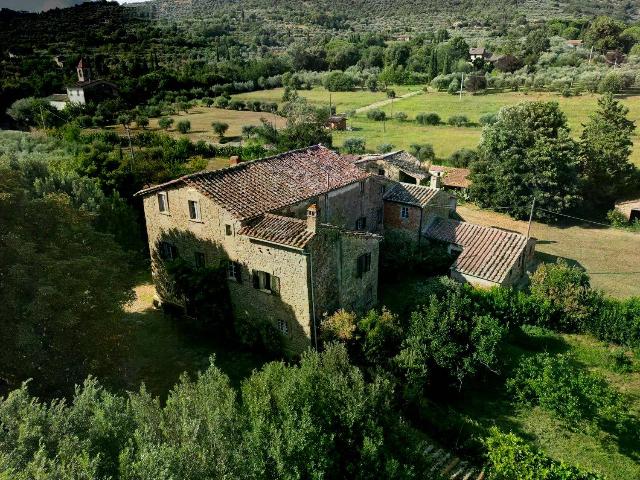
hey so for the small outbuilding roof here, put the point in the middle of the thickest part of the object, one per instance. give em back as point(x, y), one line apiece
point(453, 177)
point(411, 194)
point(401, 159)
point(488, 253)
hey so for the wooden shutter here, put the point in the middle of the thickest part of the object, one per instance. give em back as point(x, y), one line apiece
point(238, 272)
point(256, 279)
point(275, 285)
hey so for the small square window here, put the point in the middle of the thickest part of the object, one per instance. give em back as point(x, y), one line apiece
point(227, 230)
point(200, 259)
point(381, 171)
point(163, 202)
point(194, 210)
point(283, 327)
point(404, 212)
point(361, 223)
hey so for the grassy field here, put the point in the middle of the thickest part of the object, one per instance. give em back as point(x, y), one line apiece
point(445, 139)
point(319, 96)
point(201, 118)
point(609, 255)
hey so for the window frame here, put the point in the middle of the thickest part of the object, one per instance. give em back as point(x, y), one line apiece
point(404, 212)
point(363, 264)
point(286, 331)
point(361, 224)
point(200, 259)
point(165, 202)
point(197, 211)
point(167, 251)
point(228, 231)
point(234, 271)
point(265, 282)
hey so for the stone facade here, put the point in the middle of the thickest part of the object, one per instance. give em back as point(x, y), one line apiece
point(313, 281)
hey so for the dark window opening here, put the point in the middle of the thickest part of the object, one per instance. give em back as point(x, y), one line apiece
point(363, 264)
point(168, 251)
point(200, 259)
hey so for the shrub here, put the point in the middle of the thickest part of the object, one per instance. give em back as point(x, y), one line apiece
point(512, 458)
point(208, 101)
point(568, 391)
point(488, 119)
point(184, 126)
point(454, 87)
point(340, 326)
point(376, 115)
point(142, 121)
point(236, 105)
point(222, 102)
point(165, 123)
point(382, 334)
point(423, 152)
point(220, 128)
point(401, 116)
point(463, 158)
point(385, 147)
point(458, 121)
point(428, 118)
point(338, 82)
point(565, 289)
point(354, 145)
point(617, 219)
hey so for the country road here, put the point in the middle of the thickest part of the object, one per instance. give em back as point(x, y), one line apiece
point(382, 103)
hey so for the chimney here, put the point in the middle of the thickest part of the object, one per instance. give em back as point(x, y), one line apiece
point(436, 181)
point(234, 160)
point(312, 218)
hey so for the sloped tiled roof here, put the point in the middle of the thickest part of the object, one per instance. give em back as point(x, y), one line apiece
point(411, 194)
point(454, 177)
point(250, 189)
point(487, 253)
point(401, 159)
point(287, 231)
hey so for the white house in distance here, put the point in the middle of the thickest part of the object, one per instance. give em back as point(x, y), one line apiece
point(85, 89)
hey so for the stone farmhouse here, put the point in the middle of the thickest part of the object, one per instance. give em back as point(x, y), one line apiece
point(298, 232)
point(299, 235)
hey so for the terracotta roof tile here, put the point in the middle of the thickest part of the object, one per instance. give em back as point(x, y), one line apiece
point(411, 194)
point(453, 177)
point(487, 253)
point(401, 159)
point(287, 231)
point(252, 188)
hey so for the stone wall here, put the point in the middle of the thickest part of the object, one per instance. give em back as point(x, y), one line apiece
point(342, 207)
point(209, 237)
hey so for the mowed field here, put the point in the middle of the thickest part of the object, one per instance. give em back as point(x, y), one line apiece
point(445, 139)
point(202, 117)
point(610, 256)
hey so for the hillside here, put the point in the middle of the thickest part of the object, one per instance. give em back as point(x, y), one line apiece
point(38, 5)
point(400, 14)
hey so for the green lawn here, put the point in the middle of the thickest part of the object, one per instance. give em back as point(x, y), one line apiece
point(343, 101)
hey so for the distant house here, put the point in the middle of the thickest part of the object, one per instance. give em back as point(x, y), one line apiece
point(412, 208)
point(630, 209)
point(487, 256)
point(88, 89)
point(336, 122)
point(402, 38)
point(479, 52)
point(574, 43)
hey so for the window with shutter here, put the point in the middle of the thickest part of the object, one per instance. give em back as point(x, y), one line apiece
point(200, 259)
point(167, 251)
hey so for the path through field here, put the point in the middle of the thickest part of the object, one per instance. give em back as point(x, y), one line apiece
point(383, 103)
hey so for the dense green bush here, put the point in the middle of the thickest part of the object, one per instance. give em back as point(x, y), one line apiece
point(376, 115)
point(183, 126)
point(448, 342)
point(462, 158)
point(428, 118)
point(568, 391)
point(511, 458)
point(423, 152)
point(488, 119)
point(385, 147)
point(458, 121)
point(354, 145)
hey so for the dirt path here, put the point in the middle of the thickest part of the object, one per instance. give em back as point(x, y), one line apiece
point(383, 103)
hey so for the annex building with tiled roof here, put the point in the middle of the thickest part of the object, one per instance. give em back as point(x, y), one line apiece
point(488, 256)
point(298, 234)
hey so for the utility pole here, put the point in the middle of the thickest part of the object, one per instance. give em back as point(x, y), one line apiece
point(533, 204)
point(461, 85)
point(590, 54)
point(126, 127)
